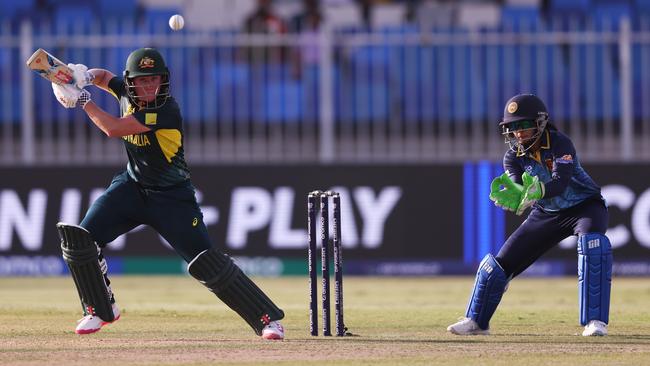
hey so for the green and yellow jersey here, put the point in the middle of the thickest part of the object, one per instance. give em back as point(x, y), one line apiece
point(156, 157)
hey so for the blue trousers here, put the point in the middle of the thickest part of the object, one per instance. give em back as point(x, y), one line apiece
point(173, 213)
point(542, 230)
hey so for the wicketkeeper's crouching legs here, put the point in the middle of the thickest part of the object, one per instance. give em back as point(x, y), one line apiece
point(89, 272)
point(225, 279)
point(490, 284)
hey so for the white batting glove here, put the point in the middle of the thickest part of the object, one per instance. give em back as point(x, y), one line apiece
point(81, 75)
point(66, 94)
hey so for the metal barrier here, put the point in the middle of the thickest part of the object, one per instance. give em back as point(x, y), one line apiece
point(390, 96)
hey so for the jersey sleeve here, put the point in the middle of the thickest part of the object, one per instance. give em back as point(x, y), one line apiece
point(166, 117)
point(512, 167)
point(116, 87)
point(564, 155)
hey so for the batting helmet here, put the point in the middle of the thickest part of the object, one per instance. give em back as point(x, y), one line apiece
point(147, 62)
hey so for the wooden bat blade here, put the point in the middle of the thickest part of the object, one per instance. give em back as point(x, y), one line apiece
point(50, 68)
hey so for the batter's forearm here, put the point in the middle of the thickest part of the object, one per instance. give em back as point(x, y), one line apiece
point(113, 126)
point(103, 120)
point(102, 77)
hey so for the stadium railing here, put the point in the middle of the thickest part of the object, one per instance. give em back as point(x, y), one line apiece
point(394, 95)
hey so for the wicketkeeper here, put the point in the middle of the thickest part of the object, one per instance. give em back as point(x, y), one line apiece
point(155, 190)
point(542, 171)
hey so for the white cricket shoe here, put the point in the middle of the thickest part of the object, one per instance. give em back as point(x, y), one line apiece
point(467, 326)
point(595, 328)
point(274, 330)
point(92, 323)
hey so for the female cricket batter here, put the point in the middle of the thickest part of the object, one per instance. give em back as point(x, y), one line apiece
point(542, 170)
point(154, 190)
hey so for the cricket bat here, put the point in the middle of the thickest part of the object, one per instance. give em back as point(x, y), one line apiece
point(50, 67)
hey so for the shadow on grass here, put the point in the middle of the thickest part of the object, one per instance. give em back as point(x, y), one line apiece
point(631, 339)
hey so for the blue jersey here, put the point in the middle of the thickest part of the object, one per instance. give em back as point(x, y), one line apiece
point(556, 164)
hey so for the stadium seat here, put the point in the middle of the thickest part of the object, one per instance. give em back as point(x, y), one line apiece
point(118, 8)
point(608, 15)
point(224, 75)
point(520, 17)
point(74, 18)
point(570, 5)
point(366, 61)
point(233, 90)
point(155, 20)
point(12, 9)
point(642, 6)
point(232, 83)
point(366, 102)
point(283, 101)
point(10, 96)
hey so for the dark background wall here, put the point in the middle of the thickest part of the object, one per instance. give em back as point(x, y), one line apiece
point(432, 219)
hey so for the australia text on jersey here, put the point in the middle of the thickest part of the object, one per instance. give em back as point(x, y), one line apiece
point(137, 140)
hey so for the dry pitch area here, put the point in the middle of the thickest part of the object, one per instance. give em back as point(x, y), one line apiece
point(175, 321)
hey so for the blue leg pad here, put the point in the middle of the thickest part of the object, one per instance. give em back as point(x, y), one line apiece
point(594, 277)
point(489, 286)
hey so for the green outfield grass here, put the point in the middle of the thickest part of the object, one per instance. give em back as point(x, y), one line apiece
point(175, 321)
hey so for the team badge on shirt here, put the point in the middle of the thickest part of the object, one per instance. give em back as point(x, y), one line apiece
point(565, 159)
point(150, 118)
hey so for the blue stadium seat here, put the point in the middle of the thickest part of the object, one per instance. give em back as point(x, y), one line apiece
point(369, 102)
point(8, 90)
point(564, 13)
point(642, 6)
point(12, 9)
point(227, 74)
point(74, 18)
point(233, 98)
point(373, 59)
point(399, 29)
point(570, 5)
point(155, 20)
point(283, 102)
point(310, 92)
point(610, 14)
point(640, 77)
point(118, 8)
point(5, 58)
point(362, 81)
point(520, 17)
point(231, 82)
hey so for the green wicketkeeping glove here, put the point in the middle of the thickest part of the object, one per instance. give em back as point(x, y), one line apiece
point(533, 191)
point(507, 197)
